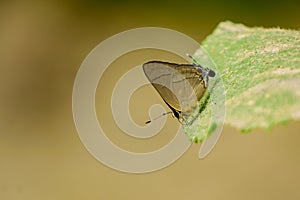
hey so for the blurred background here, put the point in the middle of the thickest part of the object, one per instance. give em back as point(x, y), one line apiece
point(43, 43)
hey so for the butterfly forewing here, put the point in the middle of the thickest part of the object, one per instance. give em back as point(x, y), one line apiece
point(180, 85)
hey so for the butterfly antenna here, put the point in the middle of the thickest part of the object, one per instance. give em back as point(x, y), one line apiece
point(193, 59)
point(147, 122)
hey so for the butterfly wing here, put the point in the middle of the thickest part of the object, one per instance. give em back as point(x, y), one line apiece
point(180, 85)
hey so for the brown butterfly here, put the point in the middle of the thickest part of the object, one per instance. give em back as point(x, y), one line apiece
point(181, 86)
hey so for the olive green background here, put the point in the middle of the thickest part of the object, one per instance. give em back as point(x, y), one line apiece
point(42, 44)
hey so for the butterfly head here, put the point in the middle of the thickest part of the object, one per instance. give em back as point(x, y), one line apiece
point(204, 72)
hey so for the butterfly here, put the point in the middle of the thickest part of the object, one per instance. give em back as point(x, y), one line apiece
point(181, 86)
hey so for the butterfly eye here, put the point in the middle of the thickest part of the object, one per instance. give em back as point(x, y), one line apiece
point(211, 73)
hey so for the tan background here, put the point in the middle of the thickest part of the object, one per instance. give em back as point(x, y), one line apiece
point(41, 48)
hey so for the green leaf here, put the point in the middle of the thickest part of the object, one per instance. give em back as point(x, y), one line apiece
point(260, 72)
